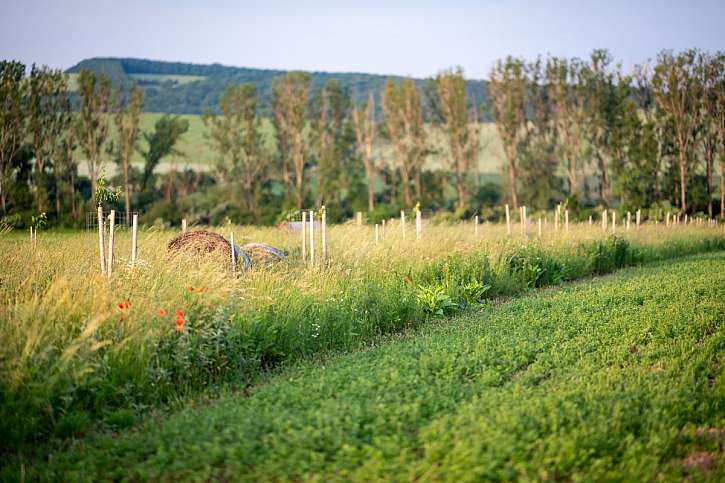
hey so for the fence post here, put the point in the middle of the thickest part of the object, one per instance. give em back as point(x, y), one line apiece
point(418, 224)
point(101, 244)
point(524, 228)
point(566, 220)
point(614, 221)
point(605, 219)
point(359, 218)
point(590, 220)
point(475, 226)
point(382, 230)
point(324, 234)
point(508, 220)
point(183, 225)
point(111, 229)
point(629, 219)
point(402, 222)
point(304, 236)
point(556, 217)
point(234, 254)
point(312, 238)
point(539, 227)
point(376, 233)
point(134, 234)
point(638, 217)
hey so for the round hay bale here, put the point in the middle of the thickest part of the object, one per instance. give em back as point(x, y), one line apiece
point(261, 253)
point(201, 242)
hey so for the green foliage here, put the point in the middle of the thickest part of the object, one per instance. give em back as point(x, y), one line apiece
point(106, 195)
point(39, 221)
point(435, 301)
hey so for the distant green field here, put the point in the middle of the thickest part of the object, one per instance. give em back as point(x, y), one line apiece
point(177, 79)
point(197, 154)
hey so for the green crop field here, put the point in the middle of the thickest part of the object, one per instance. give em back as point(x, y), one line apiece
point(122, 378)
point(197, 154)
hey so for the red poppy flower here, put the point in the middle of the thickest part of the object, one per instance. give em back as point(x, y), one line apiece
point(179, 324)
point(179, 313)
point(191, 289)
point(162, 313)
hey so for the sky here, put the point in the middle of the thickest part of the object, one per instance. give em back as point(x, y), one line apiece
point(417, 38)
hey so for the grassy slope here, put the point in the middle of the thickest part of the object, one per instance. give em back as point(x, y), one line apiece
point(605, 379)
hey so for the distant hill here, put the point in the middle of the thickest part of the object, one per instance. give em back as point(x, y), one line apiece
point(181, 88)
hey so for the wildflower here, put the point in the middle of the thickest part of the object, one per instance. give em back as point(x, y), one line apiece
point(191, 289)
point(180, 320)
point(124, 305)
point(162, 313)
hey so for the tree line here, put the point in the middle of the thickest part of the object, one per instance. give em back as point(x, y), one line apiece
point(578, 131)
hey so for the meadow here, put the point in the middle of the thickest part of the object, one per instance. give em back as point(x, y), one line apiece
point(82, 353)
point(617, 379)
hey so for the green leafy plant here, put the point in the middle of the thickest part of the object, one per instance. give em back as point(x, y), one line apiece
point(435, 301)
point(39, 221)
point(473, 291)
point(106, 194)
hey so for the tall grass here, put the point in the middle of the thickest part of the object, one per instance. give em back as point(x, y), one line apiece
point(79, 349)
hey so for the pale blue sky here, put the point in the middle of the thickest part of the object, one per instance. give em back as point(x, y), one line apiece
point(405, 37)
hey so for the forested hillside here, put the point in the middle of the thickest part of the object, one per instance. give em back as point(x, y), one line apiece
point(182, 88)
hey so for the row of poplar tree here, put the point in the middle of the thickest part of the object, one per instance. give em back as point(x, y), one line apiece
point(579, 131)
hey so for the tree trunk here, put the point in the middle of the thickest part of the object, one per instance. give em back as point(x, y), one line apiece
point(73, 195)
point(512, 180)
point(126, 187)
point(709, 162)
point(405, 177)
point(683, 197)
point(2, 193)
point(722, 194)
point(92, 172)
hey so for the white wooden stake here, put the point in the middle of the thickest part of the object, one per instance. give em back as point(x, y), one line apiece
point(32, 239)
point(685, 218)
point(101, 244)
point(667, 223)
point(183, 225)
point(566, 221)
point(508, 220)
point(590, 220)
point(111, 230)
point(324, 234)
point(376, 233)
point(359, 218)
point(418, 224)
point(539, 227)
point(234, 254)
point(605, 220)
point(382, 230)
point(475, 225)
point(557, 215)
point(402, 222)
point(614, 221)
point(134, 234)
point(524, 230)
point(312, 238)
point(629, 219)
point(638, 217)
point(304, 238)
